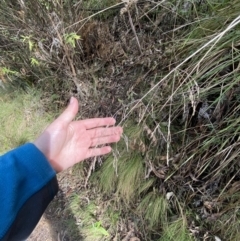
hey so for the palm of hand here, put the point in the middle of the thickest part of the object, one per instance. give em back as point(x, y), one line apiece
point(66, 142)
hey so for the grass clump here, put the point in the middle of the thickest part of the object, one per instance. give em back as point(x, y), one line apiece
point(126, 181)
point(129, 177)
point(124, 174)
point(154, 208)
point(176, 230)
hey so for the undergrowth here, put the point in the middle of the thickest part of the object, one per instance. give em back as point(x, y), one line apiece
point(92, 218)
point(190, 133)
point(168, 71)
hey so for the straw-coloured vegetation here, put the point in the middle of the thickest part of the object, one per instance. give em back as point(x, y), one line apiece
point(168, 71)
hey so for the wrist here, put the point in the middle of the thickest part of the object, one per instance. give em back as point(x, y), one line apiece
point(44, 149)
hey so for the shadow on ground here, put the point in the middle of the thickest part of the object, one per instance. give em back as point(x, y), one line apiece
point(58, 222)
point(61, 220)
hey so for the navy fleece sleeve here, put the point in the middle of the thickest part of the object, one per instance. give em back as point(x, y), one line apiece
point(27, 184)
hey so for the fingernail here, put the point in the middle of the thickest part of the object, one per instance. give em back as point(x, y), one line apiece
point(71, 100)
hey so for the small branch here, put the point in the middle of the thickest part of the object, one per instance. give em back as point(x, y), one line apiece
point(134, 31)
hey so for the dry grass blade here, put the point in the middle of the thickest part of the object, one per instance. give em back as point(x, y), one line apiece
point(214, 40)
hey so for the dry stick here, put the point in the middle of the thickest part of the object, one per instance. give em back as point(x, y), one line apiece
point(150, 10)
point(227, 185)
point(187, 24)
point(91, 168)
point(134, 31)
point(169, 131)
point(93, 15)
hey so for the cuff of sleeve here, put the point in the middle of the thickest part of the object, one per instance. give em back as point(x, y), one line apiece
point(35, 161)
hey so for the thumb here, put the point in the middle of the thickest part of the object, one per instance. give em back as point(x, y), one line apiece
point(70, 112)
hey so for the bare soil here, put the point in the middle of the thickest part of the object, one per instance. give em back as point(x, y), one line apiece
point(52, 225)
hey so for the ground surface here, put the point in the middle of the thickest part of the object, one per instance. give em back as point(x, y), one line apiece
point(44, 232)
point(51, 226)
point(59, 222)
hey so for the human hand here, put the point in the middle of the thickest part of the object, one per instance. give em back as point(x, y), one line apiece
point(66, 142)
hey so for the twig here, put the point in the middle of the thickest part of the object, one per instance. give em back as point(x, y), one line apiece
point(91, 168)
point(134, 31)
point(89, 17)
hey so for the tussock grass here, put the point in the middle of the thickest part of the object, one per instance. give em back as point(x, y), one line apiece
point(176, 230)
point(154, 209)
point(124, 174)
point(130, 176)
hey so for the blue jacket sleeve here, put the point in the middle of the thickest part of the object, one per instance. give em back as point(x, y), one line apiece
point(27, 184)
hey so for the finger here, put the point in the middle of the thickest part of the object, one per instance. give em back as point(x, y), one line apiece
point(98, 151)
point(70, 112)
point(101, 132)
point(98, 122)
point(105, 140)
